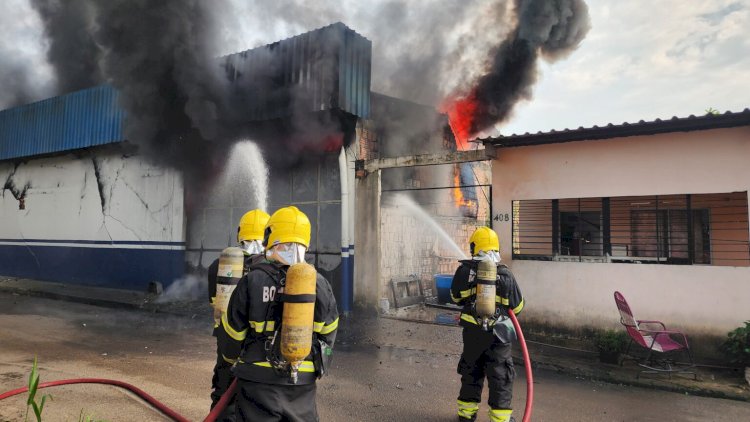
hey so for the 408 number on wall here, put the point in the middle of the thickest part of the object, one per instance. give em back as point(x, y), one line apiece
point(502, 217)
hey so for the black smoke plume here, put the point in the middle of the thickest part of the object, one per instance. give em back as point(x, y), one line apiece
point(158, 56)
point(548, 28)
point(72, 50)
point(184, 105)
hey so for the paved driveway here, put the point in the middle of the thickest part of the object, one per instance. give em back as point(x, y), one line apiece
point(171, 358)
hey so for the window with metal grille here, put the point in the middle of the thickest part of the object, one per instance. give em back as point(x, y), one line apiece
point(709, 229)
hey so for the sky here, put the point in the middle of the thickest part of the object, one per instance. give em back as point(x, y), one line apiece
point(642, 59)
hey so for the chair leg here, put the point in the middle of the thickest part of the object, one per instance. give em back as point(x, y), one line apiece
point(666, 366)
point(692, 363)
point(627, 352)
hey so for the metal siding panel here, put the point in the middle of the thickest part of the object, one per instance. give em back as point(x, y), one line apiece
point(357, 96)
point(368, 78)
point(92, 116)
point(300, 62)
point(349, 65)
point(77, 120)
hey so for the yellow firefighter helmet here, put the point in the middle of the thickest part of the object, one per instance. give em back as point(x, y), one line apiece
point(484, 239)
point(287, 225)
point(251, 225)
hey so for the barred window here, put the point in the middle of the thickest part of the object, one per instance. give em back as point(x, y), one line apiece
point(709, 229)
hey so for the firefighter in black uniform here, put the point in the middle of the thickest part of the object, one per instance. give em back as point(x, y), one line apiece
point(486, 353)
point(251, 327)
point(249, 238)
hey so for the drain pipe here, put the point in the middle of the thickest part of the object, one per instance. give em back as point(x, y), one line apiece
point(352, 218)
point(346, 284)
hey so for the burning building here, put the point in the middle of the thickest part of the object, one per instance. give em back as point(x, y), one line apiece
point(84, 203)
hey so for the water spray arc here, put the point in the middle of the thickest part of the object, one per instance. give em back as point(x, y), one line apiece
point(246, 174)
point(403, 200)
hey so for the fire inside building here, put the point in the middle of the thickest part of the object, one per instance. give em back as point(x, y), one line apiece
point(84, 204)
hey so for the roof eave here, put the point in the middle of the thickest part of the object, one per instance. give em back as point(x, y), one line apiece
point(610, 131)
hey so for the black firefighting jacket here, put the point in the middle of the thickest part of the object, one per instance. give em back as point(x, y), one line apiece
point(254, 315)
point(464, 291)
point(213, 270)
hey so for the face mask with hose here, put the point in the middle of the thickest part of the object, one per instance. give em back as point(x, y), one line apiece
point(251, 247)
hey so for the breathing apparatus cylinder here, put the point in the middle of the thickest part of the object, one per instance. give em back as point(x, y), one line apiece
point(231, 262)
point(297, 317)
point(486, 290)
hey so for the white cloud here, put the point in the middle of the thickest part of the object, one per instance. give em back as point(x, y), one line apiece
point(643, 60)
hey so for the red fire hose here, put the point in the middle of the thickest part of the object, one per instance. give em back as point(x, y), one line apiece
point(527, 367)
point(216, 411)
point(137, 391)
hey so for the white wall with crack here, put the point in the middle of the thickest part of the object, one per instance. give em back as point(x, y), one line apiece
point(97, 216)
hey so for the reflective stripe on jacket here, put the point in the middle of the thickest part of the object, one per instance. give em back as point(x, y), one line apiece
point(254, 314)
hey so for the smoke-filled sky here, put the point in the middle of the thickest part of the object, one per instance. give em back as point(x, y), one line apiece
point(640, 59)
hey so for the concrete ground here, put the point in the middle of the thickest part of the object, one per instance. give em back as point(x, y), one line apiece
point(384, 370)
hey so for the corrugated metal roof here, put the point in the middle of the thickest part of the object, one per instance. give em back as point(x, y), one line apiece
point(675, 124)
point(80, 119)
point(325, 69)
point(328, 68)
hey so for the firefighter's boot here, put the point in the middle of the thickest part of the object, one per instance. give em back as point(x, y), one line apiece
point(467, 410)
point(501, 415)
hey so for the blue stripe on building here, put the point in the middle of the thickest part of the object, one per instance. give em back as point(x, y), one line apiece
point(96, 242)
point(119, 268)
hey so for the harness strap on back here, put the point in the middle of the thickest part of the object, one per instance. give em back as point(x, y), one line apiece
point(302, 298)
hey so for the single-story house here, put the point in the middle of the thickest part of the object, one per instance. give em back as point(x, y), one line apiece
point(657, 210)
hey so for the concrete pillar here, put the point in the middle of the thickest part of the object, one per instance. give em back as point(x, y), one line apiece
point(367, 231)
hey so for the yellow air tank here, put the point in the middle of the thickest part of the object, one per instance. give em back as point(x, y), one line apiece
point(486, 290)
point(297, 317)
point(231, 263)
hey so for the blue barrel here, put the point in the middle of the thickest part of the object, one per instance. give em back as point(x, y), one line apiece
point(443, 286)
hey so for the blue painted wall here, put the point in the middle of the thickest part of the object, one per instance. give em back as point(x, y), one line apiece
point(122, 268)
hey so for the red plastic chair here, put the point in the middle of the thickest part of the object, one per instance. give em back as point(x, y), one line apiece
point(661, 341)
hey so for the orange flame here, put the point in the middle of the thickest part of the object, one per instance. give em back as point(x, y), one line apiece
point(461, 112)
point(467, 205)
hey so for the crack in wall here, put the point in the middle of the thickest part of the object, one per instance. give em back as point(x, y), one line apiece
point(104, 226)
point(106, 194)
point(9, 179)
point(99, 182)
point(167, 204)
point(10, 185)
point(114, 182)
point(125, 226)
point(38, 264)
point(140, 198)
point(83, 190)
point(151, 213)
